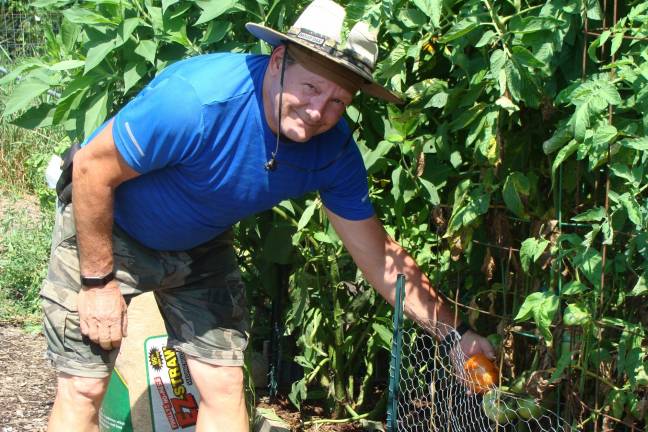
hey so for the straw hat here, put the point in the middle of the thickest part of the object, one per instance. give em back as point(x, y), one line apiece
point(316, 35)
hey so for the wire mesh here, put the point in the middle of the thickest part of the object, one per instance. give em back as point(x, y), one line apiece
point(437, 392)
point(21, 34)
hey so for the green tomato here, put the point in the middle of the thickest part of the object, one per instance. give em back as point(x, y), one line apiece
point(495, 340)
point(496, 408)
point(528, 409)
point(519, 384)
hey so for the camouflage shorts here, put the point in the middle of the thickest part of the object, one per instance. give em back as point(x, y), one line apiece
point(199, 292)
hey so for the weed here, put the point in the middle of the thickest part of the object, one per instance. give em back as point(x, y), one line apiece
point(25, 234)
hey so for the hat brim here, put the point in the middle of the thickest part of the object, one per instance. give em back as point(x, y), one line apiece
point(369, 87)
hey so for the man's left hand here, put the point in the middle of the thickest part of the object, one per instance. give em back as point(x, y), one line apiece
point(472, 343)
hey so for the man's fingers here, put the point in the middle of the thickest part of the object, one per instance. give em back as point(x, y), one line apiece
point(105, 340)
point(93, 331)
point(124, 328)
point(84, 328)
point(115, 336)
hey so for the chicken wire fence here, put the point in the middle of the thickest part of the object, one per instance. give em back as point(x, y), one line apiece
point(430, 389)
point(22, 33)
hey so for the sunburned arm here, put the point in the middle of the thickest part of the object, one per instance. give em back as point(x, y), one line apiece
point(98, 169)
point(381, 259)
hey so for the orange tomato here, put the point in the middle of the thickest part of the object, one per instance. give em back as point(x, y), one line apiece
point(483, 375)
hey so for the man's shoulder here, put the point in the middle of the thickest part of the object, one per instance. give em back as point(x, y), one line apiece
point(219, 76)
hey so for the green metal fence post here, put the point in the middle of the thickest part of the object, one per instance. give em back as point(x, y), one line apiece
point(394, 364)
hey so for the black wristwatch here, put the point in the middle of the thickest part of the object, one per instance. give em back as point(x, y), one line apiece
point(97, 281)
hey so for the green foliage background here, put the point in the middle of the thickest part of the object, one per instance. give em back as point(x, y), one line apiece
point(516, 175)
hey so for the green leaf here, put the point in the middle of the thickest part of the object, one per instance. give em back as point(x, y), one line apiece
point(36, 117)
point(307, 215)
point(216, 31)
point(574, 287)
point(497, 62)
point(525, 57)
point(384, 334)
point(632, 208)
point(133, 73)
point(525, 312)
point(371, 157)
point(594, 214)
point(563, 154)
point(431, 8)
point(623, 171)
point(542, 307)
point(147, 49)
point(531, 250)
point(213, 9)
point(24, 94)
point(298, 392)
point(516, 184)
point(616, 42)
point(78, 15)
point(514, 81)
point(640, 144)
point(641, 287)
point(460, 29)
point(96, 112)
point(604, 135)
point(561, 137)
point(66, 65)
point(563, 363)
point(167, 3)
point(431, 190)
point(98, 52)
point(487, 38)
point(589, 263)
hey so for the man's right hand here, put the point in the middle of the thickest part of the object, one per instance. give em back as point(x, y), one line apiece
point(102, 313)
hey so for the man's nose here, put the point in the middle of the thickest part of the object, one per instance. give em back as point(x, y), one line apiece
point(316, 108)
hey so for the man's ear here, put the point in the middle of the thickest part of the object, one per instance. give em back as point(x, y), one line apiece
point(276, 58)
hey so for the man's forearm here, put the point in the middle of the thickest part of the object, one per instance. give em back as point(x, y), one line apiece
point(423, 304)
point(93, 214)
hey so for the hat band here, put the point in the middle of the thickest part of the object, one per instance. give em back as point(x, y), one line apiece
point(329, 47)
point(319, 65)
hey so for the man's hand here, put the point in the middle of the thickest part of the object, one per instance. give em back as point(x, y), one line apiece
point(102, 313)
point(472, 343)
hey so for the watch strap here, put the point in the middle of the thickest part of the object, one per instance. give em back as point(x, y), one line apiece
point(97, 281)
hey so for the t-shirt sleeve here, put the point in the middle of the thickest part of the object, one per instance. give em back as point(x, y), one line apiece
point(347, 192)
point(160, 127)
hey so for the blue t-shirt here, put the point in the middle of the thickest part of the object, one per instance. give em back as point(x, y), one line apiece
point(199, 136)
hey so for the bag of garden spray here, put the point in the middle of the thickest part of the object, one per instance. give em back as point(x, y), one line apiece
point(151, 388)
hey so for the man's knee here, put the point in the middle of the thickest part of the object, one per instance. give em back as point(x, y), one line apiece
point(81, 389)
point(217, 381)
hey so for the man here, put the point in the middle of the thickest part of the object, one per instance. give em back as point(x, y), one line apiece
point(156, 189)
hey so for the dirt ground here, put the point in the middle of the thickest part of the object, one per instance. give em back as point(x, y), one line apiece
point(27, 384)
point(27, 387)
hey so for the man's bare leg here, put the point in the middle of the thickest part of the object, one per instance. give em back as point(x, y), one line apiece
point(77, 403)
point(222, 398)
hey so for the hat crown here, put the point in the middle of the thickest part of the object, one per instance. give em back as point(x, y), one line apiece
point(318, 29)
point(363, 44)
point(324, 17)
